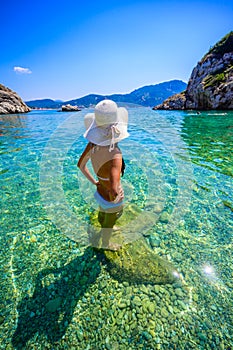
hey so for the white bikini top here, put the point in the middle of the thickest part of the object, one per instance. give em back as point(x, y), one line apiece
point(95, 148)
point(103, 178)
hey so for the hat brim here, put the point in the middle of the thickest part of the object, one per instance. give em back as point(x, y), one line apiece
point(99, 136)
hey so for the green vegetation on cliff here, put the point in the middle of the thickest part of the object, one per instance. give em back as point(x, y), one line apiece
point(214, 80)
point(223, 46)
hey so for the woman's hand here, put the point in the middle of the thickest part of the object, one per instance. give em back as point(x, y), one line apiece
point(119, 194)
point(112, 195)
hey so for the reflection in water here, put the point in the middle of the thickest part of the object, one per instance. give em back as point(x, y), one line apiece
point(210, 140)
point(12, 125)
point(209, 270)
point(212, 277)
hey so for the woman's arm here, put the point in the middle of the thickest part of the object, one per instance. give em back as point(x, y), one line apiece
point(82, 164)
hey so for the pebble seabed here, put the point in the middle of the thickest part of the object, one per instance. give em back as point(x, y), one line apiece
point(57, 295)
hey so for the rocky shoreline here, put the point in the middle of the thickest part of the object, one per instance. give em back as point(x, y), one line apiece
point(211, 83)
point(210, 86)
point(10, 102)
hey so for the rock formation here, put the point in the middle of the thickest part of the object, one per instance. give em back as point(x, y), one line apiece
point(211, 83)
point(70, 108)
point(137, 263)
point(10, 102)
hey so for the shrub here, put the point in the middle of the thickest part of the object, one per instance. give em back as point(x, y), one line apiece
point(214, 80)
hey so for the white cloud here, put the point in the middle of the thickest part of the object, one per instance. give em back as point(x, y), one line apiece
point(22, 70)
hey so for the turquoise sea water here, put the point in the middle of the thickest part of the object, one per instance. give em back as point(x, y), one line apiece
point(56, 293)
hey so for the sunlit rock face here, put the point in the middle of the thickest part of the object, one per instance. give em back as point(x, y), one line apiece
point(211, 83)
point(10, 102)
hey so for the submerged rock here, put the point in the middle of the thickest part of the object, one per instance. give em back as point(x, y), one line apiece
point(10, 102)
point(53, 305)
point(137, 263)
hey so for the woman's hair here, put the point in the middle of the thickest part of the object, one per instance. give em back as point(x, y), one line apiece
point(122, 167)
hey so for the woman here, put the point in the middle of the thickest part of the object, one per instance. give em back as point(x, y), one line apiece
point(104, 129)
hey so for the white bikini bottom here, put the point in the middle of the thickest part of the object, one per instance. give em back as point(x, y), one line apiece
point(104, 204)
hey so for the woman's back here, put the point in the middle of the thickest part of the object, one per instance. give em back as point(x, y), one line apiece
point(102, 160)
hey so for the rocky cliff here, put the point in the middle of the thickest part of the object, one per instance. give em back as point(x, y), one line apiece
point(10, 102)
point(211, 83)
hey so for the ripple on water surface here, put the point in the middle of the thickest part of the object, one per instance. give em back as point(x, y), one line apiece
point(58, 293)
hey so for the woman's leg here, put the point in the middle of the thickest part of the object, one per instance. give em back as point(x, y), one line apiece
point(95, 236)
point(107, 229)
point(101, 217)
point(107, 220)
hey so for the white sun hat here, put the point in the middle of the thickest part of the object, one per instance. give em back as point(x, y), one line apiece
point(107, 125)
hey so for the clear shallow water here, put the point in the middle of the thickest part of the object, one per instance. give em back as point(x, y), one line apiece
point(55, 293)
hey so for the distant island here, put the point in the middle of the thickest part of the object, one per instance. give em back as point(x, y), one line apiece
point(147, 96)
point(211, 83)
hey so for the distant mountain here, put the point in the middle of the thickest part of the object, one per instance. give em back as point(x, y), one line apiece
point(148, 96)
point(45, 103)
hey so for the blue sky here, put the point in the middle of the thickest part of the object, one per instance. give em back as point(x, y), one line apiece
point(64, 50)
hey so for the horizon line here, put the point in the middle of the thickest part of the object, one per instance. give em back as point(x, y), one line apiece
point(101, 94)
